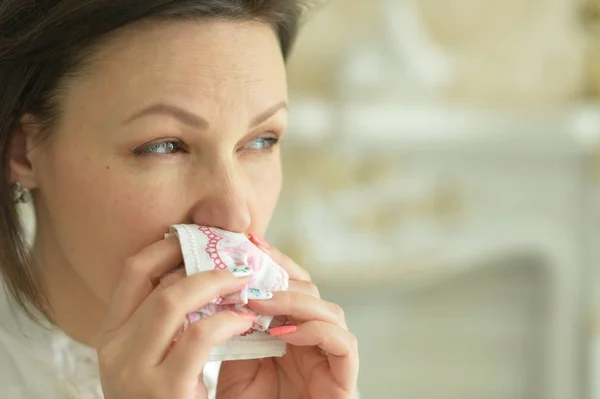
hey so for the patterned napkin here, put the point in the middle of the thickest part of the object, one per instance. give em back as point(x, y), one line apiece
point(207, 248)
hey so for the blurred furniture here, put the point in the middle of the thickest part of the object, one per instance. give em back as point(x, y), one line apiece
point(459, 241)
point(472, 52)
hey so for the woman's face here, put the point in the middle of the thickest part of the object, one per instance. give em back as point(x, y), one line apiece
point(173, 122)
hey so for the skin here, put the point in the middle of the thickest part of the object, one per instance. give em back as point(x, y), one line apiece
point(118, 170)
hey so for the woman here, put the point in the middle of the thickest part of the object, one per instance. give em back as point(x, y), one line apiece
point(121, 118)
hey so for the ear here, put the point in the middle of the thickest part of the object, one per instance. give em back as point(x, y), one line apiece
point(21, 166)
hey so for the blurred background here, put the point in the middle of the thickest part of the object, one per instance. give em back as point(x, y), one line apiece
point(443, 185)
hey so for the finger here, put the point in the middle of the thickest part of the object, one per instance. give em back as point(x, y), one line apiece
point(165, 310)
point(171, 278)
point(340, 345)
point(300, 307)
point(191, 351)
point(139, 277)
point(295, 271)
point(305, 287)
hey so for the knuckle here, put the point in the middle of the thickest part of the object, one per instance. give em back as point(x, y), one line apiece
point(214, 281)
point(170, 278)
point(287, 298)
point(165, 302)
point(198, 332)
point(338, 311)
point(209, 332)
point(218, 274)
point(314, 289)
point(302, 273)
point(229, 314)
point(306, 274)
point(215, 278)
point(133, 268)
point(226, 317)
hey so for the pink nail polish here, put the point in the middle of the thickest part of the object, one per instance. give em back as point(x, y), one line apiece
point(248, 316)
point(283, 330)
point(259, 241)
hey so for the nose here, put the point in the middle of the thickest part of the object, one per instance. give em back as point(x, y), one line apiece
point(223, 201)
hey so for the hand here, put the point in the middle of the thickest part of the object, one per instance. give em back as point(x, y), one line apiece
point(322, 356)
point(137, 357)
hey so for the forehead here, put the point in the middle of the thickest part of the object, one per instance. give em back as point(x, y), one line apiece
point(203, 62)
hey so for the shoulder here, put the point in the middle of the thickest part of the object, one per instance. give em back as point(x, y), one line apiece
point(22, 376)
point(25, 356)
point(10, 378)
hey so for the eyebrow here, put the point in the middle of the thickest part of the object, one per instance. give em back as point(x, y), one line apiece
point(196, 121)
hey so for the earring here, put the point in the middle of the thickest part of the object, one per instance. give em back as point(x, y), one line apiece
point(21, 195)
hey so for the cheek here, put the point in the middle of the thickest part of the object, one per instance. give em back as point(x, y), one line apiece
point(102, 213)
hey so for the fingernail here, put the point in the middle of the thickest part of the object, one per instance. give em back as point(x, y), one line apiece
point(259, 241)
point(283, 330)
point(248, 316)
point(243, 271)
point(259, 295)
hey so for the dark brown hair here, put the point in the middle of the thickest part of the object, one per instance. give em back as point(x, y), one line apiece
point(44, 41)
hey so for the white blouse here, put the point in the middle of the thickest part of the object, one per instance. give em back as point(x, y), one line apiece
point(43, 362)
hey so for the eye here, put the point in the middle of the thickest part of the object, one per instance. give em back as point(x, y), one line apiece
point(167, 147)
point(262, 144)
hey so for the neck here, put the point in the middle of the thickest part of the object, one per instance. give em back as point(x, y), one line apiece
point(76, 309)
